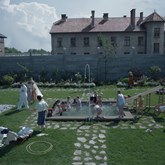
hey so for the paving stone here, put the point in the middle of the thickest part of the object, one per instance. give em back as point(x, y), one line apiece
point(82, 139)
point(88, 159)
point(78, 152)
point(103, 146)
point(101, 136)
point(94, 151)
point(87, 146)
point(142, 127)
point(56, 127)
point(98, 157)
point(77, 163)
point(92, 142)
point(96, 147)
point(63, 128)
point(77, 158)
point(85, 127)
point(77, 144)
point(101, 141)
point(87, 153)
point(90, 163)
point(102, 152)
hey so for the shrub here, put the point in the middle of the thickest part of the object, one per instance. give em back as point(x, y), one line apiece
point(7, 80)
point(155, 71)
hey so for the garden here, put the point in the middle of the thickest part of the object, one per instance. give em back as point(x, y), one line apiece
point(140, 141)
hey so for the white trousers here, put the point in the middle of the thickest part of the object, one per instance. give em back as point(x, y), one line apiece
point(23, 101)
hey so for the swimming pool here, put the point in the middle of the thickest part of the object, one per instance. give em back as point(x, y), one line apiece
point(88, 110)
point(86, 113)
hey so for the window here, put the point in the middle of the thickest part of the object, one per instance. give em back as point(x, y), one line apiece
point(156, 47)
point(140, 41)
point(1, 40)
point(73, 42)
point(59, 42)
point(73, 53)
point(140, 52)
point(113, 41)
point(127, 41)
point(86, 53)
point(126, 52)
point(157, 33)
point(86, 41)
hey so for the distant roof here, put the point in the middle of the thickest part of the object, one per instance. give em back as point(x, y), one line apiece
point(112, 24)
point(2, 36)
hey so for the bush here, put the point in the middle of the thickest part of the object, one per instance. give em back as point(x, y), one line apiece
point(155, 72)
point(7, 80)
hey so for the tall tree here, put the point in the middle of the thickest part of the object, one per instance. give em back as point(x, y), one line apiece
point(109, 50)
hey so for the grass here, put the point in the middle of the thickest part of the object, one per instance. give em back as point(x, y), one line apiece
point(61, 153)
point(134, 147)
point(124, 146)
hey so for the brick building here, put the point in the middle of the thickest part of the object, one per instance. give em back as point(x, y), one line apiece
point(129, 35)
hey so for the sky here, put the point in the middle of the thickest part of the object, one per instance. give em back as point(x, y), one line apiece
point(27, 23)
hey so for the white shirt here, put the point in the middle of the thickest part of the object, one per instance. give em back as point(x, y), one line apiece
point(120, 99)
point(41, 106)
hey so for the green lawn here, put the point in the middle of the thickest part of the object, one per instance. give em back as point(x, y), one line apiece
point(124, 146)
point(61, 153)
point(135, 147)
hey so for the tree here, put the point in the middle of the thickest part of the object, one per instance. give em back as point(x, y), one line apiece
point(109, 51)
point(12, 51)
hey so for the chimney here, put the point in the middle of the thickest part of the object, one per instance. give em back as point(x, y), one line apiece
point(140, 19)
point(93, 19)
point(132, 21)
point(63, 17)
point(141, 16)
point(105, 16)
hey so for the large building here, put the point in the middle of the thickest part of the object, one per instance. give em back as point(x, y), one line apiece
point(129, 35)
point(2, 45)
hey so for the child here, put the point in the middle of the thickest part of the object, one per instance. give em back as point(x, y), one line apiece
point(140, 105)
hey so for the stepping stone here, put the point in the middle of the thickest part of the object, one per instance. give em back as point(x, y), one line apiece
point(82, 139)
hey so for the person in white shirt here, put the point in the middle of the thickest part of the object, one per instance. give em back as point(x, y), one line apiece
point(120, 103)
point(41, 108)
point(23, 97)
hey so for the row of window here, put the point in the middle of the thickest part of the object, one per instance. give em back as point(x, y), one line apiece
point(155, 50)
point(86, 41)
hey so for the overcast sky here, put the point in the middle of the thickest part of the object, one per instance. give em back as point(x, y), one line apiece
point(26, 23)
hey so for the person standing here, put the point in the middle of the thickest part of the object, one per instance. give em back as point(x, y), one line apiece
point(35, 91)
point(130, 80)
point(29, 92)
point(120, 103)
point(23, 97)
point(41, 108)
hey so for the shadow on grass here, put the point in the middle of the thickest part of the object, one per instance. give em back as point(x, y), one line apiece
point(11, 112)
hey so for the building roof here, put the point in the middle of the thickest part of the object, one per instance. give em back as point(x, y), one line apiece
point(2, 36)
point(112, 24)
point(154, 17)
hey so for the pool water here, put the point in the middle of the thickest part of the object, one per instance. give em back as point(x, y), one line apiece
point(86, 110)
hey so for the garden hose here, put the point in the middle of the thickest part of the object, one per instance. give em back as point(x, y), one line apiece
point(29, 149)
